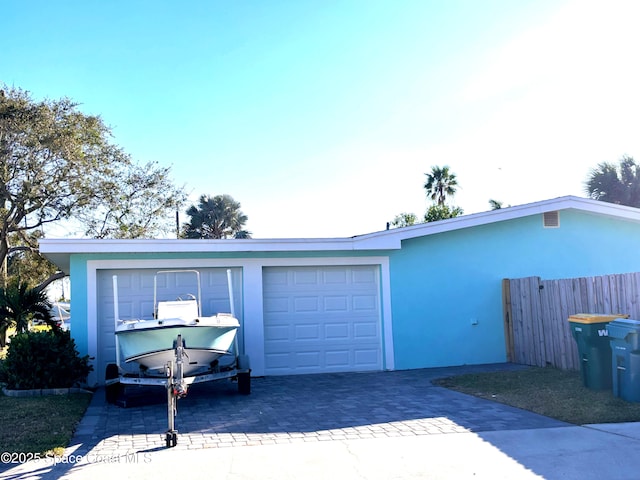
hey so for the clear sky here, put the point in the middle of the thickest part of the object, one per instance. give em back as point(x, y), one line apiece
point(321, 117)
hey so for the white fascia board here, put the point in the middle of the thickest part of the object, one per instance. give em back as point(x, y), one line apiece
point(585, 205)
point(84, 246)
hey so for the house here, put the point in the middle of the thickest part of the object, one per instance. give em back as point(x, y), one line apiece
point(428, 295)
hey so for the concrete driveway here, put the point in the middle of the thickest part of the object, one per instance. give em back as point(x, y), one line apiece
point(357, 425)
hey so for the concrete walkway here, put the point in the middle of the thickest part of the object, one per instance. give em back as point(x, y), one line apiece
point(368, 425)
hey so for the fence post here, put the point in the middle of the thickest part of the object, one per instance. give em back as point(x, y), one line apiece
point(508, 320)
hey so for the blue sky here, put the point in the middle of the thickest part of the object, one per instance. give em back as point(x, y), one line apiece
point(322, 117)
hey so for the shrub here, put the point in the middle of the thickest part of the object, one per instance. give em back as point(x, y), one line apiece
point(45, 359)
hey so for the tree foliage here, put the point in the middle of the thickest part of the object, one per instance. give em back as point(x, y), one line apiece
point(216, 218)
point(441, 212)
point(495, 204)
point(57, 163)
point(44, 359)
point(19, 305)
point(136, 202)
point(25, 263)
point(615, 183)
point(404, 220)
point(440, 184)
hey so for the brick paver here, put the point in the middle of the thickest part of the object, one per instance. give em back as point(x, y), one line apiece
point(295, 409)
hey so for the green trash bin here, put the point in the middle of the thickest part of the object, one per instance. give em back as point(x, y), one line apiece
point(592, 338)
point(624, 337)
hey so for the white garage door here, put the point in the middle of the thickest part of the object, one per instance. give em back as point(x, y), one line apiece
point(322, 319)
point(135, 299)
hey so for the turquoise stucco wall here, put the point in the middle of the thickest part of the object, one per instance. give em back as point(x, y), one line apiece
point(79, 327)
point(443, 283)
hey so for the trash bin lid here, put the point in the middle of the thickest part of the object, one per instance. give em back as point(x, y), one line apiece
point(626, 323)
point(595, 317)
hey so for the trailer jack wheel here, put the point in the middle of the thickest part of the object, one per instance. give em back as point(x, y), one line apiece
point(172, 439)
point(244, 383)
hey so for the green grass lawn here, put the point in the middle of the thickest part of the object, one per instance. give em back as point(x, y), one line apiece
point(42, 425)
point(548, 391)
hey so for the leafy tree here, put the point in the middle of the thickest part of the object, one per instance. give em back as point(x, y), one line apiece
point(404, 220)
point(57, 163)
point(440, 184)
point(137, 202)
point(19, 305)
point(24, 263)
point(216, 217)
point(441, 212)
point(615, 183)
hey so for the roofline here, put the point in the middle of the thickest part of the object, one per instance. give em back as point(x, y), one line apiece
point(56, 249)
point(570, 202)
point(90, 245)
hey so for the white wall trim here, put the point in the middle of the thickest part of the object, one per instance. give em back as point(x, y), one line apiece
point(252, 296)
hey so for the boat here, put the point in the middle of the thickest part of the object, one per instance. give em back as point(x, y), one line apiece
point(60, 315)
point(152, 343)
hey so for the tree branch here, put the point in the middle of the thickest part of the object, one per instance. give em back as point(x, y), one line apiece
point(52, 278)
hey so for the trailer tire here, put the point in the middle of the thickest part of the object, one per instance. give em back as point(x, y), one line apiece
point(112, 392)
point(244, 383)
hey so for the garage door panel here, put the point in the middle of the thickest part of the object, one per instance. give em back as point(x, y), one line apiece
point(365, 331)
point(322, 319)
point(274, 277)
point(306, 304)
point(337, 331)
point(369, 357)
point(336, 303)
point(338, 358)
point(365, 302)
point(276, 305)
point(333, 277)
point(364, 276)
point(310, 331)
point(307, 359)
point(305, 277)
point(278, 362)
point(274, 333)
point(162, 281)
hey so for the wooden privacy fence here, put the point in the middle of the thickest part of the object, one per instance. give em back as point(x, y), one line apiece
point(536, 314)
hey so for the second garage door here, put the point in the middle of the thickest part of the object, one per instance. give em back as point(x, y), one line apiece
point(322, 319)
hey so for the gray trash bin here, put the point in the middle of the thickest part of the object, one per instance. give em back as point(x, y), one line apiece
point(624, 335)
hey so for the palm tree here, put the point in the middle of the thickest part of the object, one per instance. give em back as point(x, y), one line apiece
point(440, 184)
point(20, 304)
point(216, 217)
point(615, 183)
point(495, 204)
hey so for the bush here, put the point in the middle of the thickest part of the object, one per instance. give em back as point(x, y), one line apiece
point(44, 359)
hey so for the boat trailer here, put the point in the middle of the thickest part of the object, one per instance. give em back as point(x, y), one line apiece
point(176, 384)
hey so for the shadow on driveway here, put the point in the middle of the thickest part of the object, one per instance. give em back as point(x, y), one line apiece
point(358, 403)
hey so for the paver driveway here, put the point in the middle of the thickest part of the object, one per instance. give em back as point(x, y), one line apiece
point(305, 408)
